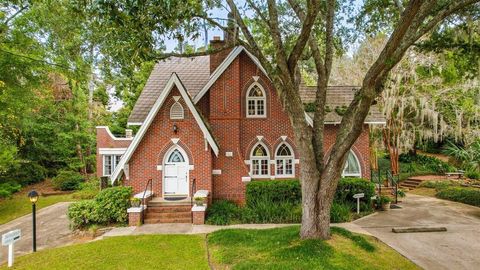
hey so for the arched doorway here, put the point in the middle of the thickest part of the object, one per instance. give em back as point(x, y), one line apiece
point(175, 176)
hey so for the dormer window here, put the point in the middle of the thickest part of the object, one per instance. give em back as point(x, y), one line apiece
point(176, 111)
point(256, 101)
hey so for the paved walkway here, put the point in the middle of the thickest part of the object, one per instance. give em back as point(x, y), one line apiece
point(52, 230)
point(458, 248)
point(200, 229)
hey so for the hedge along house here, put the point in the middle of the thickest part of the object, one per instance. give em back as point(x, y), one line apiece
point(208, 126)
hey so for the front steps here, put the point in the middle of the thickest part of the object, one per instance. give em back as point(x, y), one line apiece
point(161, 211)
point(411, 183)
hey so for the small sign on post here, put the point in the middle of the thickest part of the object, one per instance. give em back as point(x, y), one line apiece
point(7, 240)
point(358, 196)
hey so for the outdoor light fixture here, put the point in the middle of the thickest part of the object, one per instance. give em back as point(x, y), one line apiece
point(175, 128)
point(33, 196)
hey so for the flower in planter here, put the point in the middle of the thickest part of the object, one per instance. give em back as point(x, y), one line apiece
point(199, 200)
point(135, 202)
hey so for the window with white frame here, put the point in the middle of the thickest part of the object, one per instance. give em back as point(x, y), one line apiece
point(256, 101)
point(259, 159)
point(284, 161)
point(110, 162)
point(176, 111)
point(352, 166)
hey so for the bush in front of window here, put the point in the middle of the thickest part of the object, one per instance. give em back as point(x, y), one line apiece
point(278, 191)
point(67, 180)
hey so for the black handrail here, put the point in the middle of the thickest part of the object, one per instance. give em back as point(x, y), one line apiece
point(149, 183)
point(394, 183)
point(193, 190)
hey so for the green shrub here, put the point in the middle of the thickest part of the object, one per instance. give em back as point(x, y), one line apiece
point(340, 212)
point(223, 212)
point(472, 174)
point(7, 189)
point(426, 163)
point(109, 206)
point(82, 214)
point(88, 190)
point(113, 203)
point(67, 180)
point(263, 211)
point(460, 194)
point(436, 184)
point(26, 173)
point(275, 191)
point(347, 187)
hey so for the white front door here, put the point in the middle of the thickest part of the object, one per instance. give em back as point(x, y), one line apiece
point(175, 174)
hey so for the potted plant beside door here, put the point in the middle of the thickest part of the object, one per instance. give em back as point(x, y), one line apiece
point(384, 202)
point(199, 201)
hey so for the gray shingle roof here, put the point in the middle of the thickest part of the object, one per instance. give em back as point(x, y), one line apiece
point(338, 97)
point(194, 73)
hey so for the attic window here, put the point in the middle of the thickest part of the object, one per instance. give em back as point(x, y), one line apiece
point(256, 100)
point(176, 111)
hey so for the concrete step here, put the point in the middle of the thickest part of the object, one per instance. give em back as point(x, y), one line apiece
point(413, 182)
point(167, 220)
point(407, 185)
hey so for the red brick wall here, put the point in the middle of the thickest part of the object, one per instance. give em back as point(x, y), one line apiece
point(238, 134)
point(105, 140)
point(224, 106)
point(157, 141)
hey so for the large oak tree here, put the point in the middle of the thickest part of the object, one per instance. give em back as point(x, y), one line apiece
point(282, 34)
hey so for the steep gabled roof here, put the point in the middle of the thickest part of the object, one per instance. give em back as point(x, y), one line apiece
point(173, 81)
point(194, 72)
point(223, 66)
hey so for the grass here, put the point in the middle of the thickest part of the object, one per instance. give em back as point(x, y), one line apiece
point(125, 252)
point(424, 191)
point(278, 248)
point(19, 205)
point(281, 248)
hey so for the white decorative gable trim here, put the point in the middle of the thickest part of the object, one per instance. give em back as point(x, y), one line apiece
point(175, 140)
point(173, 81)
point(259, 138)
point(223, 66)
point(255, 78)
point(284, 138)
point(176, 98)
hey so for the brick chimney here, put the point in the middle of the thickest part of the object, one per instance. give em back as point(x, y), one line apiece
point(128, 133)
point(217, 58)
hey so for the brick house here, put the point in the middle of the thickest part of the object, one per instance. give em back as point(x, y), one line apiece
point(213, 124)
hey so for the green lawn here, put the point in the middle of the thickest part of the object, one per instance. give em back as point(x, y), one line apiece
point(229, 249)
point(125, 252)
point(282, 249)
point(19, 205)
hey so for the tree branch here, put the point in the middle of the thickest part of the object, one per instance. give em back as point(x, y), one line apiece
point(313, 9)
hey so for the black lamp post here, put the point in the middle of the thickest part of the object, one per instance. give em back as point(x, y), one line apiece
point(33, 196)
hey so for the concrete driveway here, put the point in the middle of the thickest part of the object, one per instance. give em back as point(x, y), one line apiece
point(457, 248)
point(52, 230)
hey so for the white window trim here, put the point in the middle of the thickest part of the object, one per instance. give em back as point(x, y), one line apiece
point(267, 158)
point(176, 104)
point(359, 174)
point(112, 151)
point(284, 158)
point(264, 98)
point(113, 161)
